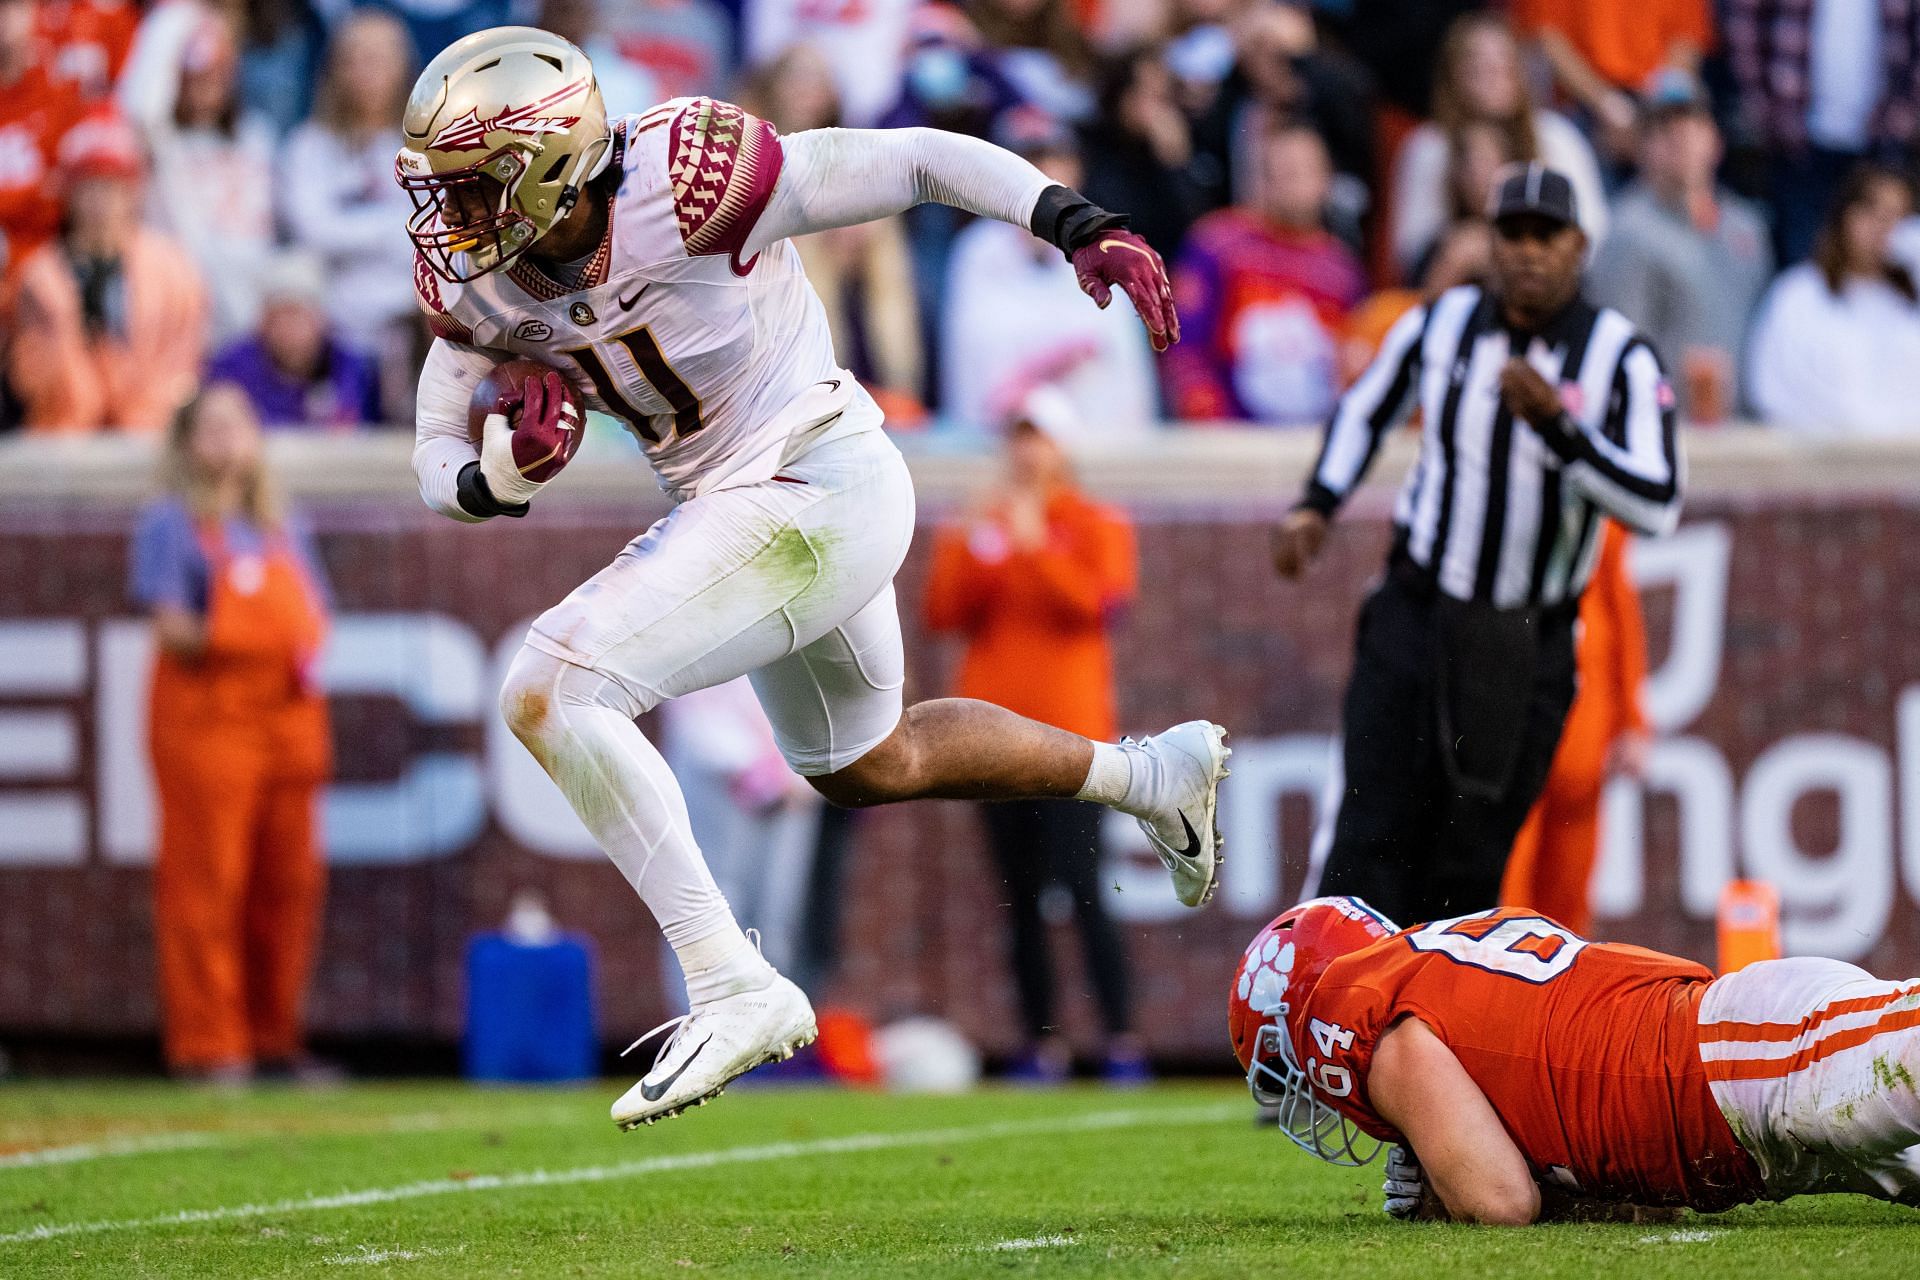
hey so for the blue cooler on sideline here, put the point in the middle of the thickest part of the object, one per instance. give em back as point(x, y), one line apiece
point(530, 1003)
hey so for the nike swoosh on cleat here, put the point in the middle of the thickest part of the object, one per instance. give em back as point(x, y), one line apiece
point(1193, 838)
point(654, 1092)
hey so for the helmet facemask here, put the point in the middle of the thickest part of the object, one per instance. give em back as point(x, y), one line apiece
point(469, 211)
point(1277, 1080)
point(1266, 1006)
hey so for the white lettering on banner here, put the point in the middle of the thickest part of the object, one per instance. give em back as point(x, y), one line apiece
point(1142, 894)
point(1837, 903)
point(436, 806)
point(38, 745)
point(1841, 901)
point(1619, 883)
point(529, 806)
point(1695, 774)
point(43, 658)
point(1906, 745)
point(1694, 562)
point(1265, 771)
point(123, 767)
point(435, 666)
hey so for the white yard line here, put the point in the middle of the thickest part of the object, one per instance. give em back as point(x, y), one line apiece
point(1031, 1242)
point(1680, 1237)
point(367, 1255)
point(79, 1152)
point(1133, 1118)
point(198, 1139)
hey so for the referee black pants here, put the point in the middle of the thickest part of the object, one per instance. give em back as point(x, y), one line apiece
point(1041, 842)
point(1408, 839)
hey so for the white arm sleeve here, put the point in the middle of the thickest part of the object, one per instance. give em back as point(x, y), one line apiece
point(440, 445)
point(839, 177)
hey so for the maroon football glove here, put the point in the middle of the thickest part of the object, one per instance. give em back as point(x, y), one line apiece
point(546, 424)
point(1120, 259)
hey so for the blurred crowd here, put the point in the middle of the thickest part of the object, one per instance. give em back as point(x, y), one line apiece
point(194, 189)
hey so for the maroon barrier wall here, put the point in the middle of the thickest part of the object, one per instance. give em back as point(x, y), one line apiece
point(1786, 684)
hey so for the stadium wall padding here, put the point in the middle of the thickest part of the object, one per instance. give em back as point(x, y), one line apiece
point(1786, 685)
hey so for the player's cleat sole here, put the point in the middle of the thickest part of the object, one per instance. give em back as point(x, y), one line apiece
point(701, 1101)
point(715, 1045)
point(1191, 760)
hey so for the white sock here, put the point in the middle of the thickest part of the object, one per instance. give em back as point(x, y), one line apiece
point(724, 963)
point(1109, 777)
point(623, 791)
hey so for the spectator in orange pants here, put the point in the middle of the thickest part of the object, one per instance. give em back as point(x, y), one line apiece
point(240, 744)
point(1553, 856)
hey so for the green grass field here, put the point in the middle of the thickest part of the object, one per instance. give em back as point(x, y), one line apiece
point(131, 1179)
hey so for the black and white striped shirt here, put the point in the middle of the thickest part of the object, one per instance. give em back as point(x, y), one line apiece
point(1495, 510)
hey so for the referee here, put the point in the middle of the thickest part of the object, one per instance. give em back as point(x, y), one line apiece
point(1543, 414)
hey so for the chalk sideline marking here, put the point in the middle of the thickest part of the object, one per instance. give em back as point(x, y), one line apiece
point(80, 1152)
point(1032, 1242)
point(1133, 1118)
point(1680, 1237)
point(367, 1255)
point(201, 1139)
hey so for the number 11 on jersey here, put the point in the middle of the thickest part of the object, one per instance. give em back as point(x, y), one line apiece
point(653, 366)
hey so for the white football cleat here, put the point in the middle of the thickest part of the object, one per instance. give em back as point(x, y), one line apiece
point(713, 1045)
point(1181, 787)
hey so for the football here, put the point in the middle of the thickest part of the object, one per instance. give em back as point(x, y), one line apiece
point(540, 447)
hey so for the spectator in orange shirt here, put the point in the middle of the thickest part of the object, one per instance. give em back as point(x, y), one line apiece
point(89, 41)
point(1553, 856)
point(35, 109)
point(1604, 54)
point(109, 320)
point(1031, 582)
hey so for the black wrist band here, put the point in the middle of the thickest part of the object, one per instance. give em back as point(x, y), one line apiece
point(1319, 499)
point(476, 498)
point(1067, 220)
point(1562, 435)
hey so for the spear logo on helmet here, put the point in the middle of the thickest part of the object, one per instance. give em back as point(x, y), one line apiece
point(469, 132)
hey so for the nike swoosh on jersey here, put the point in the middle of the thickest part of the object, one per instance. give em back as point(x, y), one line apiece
point(654, 1092)
point(626, 304)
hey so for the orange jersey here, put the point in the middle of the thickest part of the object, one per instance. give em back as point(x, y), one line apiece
point(35, 110)
point(1589, 1052)
point(90, 40)
point(1036, 620)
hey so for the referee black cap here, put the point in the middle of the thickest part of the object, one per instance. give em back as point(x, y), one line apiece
point(1534, 189)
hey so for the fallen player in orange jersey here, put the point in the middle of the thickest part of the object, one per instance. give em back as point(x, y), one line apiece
point(1524, 1072)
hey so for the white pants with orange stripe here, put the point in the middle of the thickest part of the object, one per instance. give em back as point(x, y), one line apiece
point(1816, 1066)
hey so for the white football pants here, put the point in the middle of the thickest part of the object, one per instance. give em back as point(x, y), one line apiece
point(1816, 1066)
point(789, 580)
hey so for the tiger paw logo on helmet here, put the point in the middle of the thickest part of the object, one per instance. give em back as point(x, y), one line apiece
point(1265, 977)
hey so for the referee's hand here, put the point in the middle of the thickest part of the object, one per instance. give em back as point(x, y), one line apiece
point(1528, 395)
point(1296, 541)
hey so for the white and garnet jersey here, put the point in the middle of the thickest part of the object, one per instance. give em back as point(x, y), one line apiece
point(712, 359)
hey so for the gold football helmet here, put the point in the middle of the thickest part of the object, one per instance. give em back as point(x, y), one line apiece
point(502, 130)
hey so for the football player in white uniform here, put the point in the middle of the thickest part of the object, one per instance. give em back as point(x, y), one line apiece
point(649, 258)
